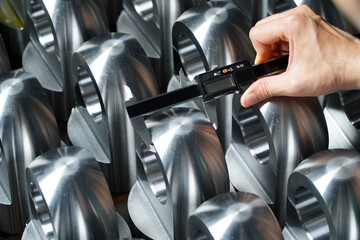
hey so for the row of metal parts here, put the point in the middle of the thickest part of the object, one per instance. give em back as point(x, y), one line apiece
point(75, 63)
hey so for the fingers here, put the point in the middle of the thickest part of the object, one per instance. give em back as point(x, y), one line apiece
point(269, 34)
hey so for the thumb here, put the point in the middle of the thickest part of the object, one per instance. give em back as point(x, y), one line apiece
point(262, 89)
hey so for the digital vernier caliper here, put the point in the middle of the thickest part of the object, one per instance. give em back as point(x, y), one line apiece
point(233, 78)
point(236, 77)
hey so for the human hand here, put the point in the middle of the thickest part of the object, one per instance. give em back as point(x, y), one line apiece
point(322, 58)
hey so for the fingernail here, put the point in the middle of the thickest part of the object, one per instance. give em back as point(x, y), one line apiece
point(250, 99)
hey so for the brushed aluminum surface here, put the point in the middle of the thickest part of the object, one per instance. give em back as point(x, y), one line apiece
point(69, 196)
point(269, 141)
point(27, 129)
point(109, 70)
point(57, 30)
point(239, 215)
point(192, 170)
point(324, 191)
point(213, 34)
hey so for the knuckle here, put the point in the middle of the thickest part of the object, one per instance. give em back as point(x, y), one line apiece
point(297, 21)
point(265, 89)
point(305, 9)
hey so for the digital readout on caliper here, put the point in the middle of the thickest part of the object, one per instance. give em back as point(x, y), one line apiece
point(220, 84)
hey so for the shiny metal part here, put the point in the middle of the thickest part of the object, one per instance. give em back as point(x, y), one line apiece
point(33, 230)
point(192, 157)
point(324, 191)
point(150, 22)
point(109, 70)
point(27, 129)
point(254, 9)
point(57, 29)
point(13, 26)
point(341, 113)
point(214, 33)
point(4, 59)
point(269, 141)
point(242, 216)
point(69, 196)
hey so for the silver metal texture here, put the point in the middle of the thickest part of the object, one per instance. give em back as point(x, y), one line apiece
point(242, 216)
point(33, 229)
point(324, 190)
point(57, 28)
point(192, 157)
point(213, 34)
point(13, 26)
point(109, 70)
point(341, 113)
point(4, 59)
point(27, 129)
point(269, 141)
point(254, 9)
point(150, 22)
point(69, 196)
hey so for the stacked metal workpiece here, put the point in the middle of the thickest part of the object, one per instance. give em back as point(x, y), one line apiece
point(287, 168)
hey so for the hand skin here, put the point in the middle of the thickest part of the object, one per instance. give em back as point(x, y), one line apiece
point(322, 58)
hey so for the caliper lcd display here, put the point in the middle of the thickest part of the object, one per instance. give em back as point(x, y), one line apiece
point(220, 84)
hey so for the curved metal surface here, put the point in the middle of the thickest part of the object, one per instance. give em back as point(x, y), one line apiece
point(324, 191)
point(213, 34)
point(195, 168)
point(150, 22)
point(33, 229)
point(269, 141)
point(69, 196)
point(254, 9)
point(27, 129)
point(341, 113)
point(4, 59)
point(57, 29)
point(109, 70)
point(242, 216)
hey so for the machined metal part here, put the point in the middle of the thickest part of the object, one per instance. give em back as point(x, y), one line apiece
point(269, 141)
point(324, 191)
point(4, 59)
point(57, 30)
point(33, 230)
point(237, 215)
point(150, 22)
point(341, 116)
point(109, 70)
point(254, 9)
point(27, 129)
point(193, 160)
point(13, 26)
point(69, 196)
point(213, 34)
